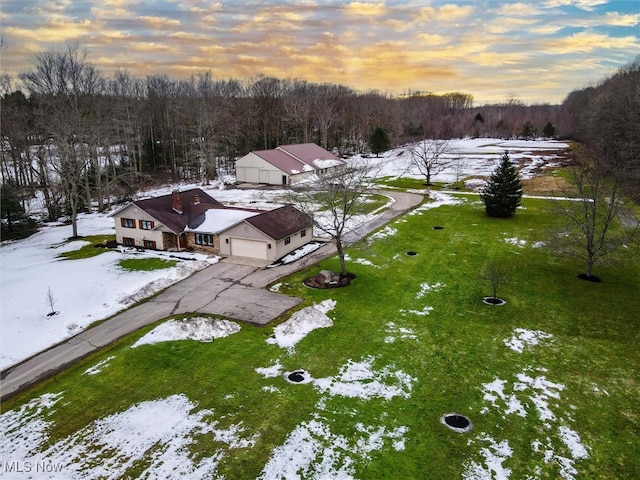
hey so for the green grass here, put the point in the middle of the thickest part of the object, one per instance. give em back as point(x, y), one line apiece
point(90, 250)
point(146, 264)
point(459, 346)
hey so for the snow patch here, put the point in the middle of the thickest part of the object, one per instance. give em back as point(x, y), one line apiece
point(494, 455)
point(522, 337)
point(98, 367)
point(288, 334)
point(425, 311)
point(201, 329)
point(515, 241)
point(360, 380)
point(426, 288)
point(134, 437)
point(313, 451)
point(397, 332)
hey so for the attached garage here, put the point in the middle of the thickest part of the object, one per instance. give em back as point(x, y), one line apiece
point(269, 236)
point(241, 247)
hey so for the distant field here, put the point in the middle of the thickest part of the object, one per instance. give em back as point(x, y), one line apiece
point(549, 380)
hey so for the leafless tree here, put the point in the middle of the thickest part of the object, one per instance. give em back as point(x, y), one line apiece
point(598, 222)
point(430, 157)
point(65, 83)
point(495, 275)
point(51, 301)
point(335, 196)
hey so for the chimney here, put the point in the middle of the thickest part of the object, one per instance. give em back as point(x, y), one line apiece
point(176, 201)
point(196, 199)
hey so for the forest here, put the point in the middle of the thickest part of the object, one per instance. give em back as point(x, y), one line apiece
point(82, 138)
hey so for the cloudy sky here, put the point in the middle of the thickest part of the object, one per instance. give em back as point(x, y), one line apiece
point(537, 50)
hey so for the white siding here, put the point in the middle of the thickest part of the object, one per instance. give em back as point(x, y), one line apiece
point(138, 234)
point(253, 169)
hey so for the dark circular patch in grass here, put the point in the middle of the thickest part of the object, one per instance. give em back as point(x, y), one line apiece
point(589, 278)
point(411, 253)
point(493, 301)
point(297, 376)
point(456, 422)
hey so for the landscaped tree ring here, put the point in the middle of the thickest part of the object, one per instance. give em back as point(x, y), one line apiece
point(456, 422)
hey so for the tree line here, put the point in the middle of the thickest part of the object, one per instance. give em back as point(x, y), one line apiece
point(605, 118)
point(80, 137)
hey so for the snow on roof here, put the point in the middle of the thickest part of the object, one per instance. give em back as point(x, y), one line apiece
point(218, 219)
point(327, 163)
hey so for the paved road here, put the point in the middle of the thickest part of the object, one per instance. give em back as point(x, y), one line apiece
point(231, 289)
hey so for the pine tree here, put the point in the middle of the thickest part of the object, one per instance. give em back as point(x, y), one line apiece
point(502, 194)
point(379, 141)
point(549, 130)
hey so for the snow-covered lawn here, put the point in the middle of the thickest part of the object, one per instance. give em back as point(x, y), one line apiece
point(476, 157)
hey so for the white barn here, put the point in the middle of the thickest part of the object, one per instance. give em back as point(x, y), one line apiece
point(285, 165)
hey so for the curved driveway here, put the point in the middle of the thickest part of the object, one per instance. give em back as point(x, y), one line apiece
point(232, 290)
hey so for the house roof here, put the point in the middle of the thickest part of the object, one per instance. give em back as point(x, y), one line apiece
point(281, 222)
point(298, 158)
point(215, 220)
point(161, 208)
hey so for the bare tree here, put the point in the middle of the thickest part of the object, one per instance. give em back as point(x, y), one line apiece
point(430, 157)
point(496, 276)
point(598, 222)
point(335, 197)
point(51, 301)
point(65, 84)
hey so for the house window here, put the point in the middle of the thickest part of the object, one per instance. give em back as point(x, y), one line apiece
point(204, 239)
point(128, 242)
point(150, 244)
point(128, 222)
point(287, 240)
point(303, 233)
point(146, 224)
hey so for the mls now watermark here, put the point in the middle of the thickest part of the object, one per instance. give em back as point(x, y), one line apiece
point(26, 466)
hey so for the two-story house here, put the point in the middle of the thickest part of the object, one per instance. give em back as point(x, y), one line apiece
point(194, 220)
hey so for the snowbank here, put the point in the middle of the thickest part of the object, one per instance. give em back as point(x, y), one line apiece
point(201, 329)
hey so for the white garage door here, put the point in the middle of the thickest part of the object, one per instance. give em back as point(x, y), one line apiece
point(248, 248)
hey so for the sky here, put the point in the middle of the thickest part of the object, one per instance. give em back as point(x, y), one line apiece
point(538, 51)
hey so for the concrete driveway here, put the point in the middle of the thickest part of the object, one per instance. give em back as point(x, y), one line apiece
point(229, 288)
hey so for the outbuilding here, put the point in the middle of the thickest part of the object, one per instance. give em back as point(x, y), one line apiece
point(285, 165)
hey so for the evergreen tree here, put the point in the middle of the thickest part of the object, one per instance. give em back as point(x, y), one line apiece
point(528, 130)
point(549, 130)
point(379, 141)
point(502, 194)
point(15, 222)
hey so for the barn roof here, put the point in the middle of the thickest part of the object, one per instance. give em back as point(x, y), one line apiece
point(298, 158)
point(312, 154)
point(283, 161)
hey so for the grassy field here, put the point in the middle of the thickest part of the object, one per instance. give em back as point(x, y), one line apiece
point(589, 362)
